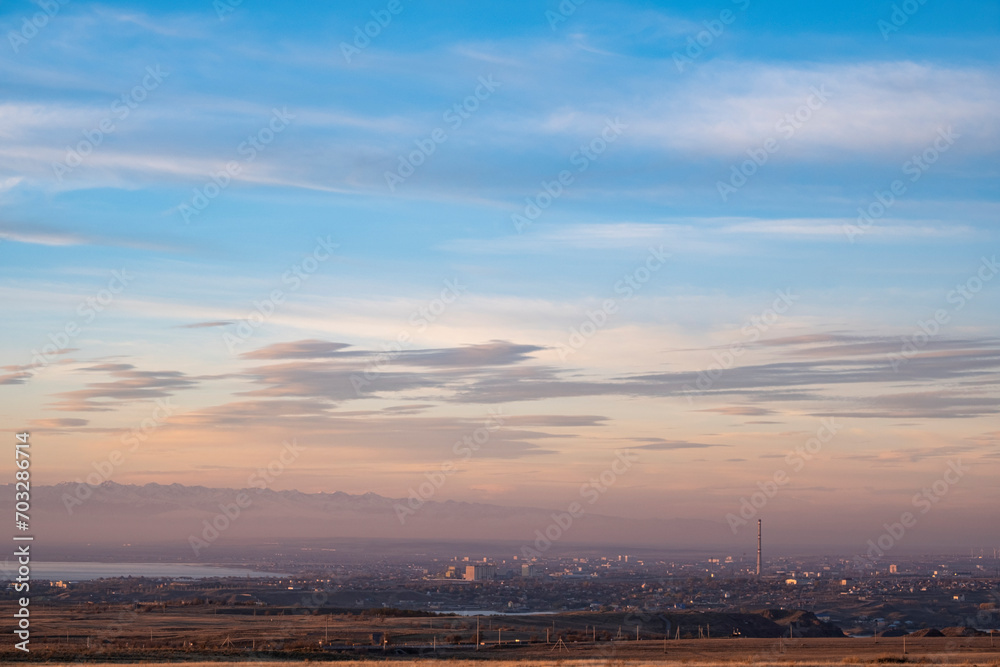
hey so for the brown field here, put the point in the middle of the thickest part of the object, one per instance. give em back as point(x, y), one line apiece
point(206, 634)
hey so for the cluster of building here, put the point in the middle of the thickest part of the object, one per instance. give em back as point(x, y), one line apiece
point(912, 592)
point(486, 571)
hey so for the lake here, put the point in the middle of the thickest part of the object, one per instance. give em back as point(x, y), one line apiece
point(473, 612)
point(61, 571)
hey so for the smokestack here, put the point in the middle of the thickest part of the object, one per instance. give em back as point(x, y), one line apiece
point(758, 547)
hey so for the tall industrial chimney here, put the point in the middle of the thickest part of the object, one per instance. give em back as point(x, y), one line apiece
point(758, 547)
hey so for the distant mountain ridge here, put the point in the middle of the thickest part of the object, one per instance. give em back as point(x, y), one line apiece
point(113, 512)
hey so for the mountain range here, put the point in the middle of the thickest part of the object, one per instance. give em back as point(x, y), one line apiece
point(155, 513)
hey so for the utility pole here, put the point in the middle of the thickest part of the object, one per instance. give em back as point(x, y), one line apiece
point(477, 633)
point(758, 548)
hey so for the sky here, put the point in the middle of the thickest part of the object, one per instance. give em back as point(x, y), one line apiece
point(751, 244)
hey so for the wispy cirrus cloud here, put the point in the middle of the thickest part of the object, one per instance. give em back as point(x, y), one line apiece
point(740, 411)
point(808, 370)
point(922, 405)
point(40, 236)
point(206, 325)
point(63, 425)
point(47, 236)
point(21, 373)
point(129, 385)
point(662, 445)
point(911, 454)
point(494, 353)
point(887, 228)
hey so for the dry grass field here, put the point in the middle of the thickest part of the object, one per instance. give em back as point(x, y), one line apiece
point(193, 635)
point(616, 661)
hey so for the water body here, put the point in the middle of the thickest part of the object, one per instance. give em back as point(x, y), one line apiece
point(473, 612)
point(61, 571)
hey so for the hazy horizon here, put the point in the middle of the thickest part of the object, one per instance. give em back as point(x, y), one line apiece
point(209, 524)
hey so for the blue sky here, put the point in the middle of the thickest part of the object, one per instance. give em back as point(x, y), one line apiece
point(666, 125)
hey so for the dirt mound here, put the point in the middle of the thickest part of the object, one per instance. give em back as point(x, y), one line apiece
point(927, 632)
point(801, 623)
point(961, 631)
point(893, 632)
